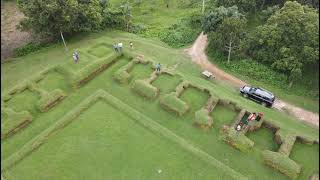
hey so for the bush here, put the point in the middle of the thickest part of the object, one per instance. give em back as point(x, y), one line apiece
point(184, 32)
point(138, 28)
point(145, 89)
point(28, 48)
point(287, 145)
point(202, 118)
point(122, 76)
point(236, 140)
point(91, 70)
point(12, 121)
point(48, 100)
point(172, 103)
point(281, 163)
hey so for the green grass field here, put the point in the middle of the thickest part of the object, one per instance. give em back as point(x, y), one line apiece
point(107, 141)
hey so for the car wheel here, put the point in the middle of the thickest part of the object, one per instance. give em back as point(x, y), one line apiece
point(264, 104)
point(245, 95)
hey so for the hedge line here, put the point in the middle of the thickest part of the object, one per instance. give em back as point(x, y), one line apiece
point(281, 163)
point(202, 118)
point(287, 145)
point(236, 140)
point(137, 116)
point(145, 89)
point(172, 103)
point(12, 121)
point(48, 100)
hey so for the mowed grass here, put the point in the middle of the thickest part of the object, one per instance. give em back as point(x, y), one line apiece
point(111, 146)
point(251, 163)
point(195, 100)
point(222, 115)
point(263, 139)
point(166, 83)
point(308, 157)
point(84, 60)
point(100, 50)
point(140, 71)
point(52, 81)
point(24, 101)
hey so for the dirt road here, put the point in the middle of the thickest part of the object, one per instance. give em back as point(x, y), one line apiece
point(197, 53)
point(11, 37)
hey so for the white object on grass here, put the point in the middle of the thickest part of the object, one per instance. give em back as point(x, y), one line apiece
point(159, 171)
point(207, 74)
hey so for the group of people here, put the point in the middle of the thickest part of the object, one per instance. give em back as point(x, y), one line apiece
point(118, 46)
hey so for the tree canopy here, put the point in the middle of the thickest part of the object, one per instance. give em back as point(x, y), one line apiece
point(216, 16)
point(54, 16)
point(288, 41)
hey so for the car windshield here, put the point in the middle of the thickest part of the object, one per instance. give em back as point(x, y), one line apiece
point(263, 93)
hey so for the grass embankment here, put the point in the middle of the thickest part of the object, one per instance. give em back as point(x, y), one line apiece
point(209, 142)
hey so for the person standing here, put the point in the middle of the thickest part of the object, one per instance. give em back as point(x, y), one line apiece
point(77, 55)
point(74, 57)
point(115, 47)
point(158, 68)
point(120, 45)
point(131, 45)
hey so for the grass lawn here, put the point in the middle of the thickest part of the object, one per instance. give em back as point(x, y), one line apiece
point(308, 157)
point(54, 80)
point(27, 100)
point(101, 150)
point(94, 141)
point(263, 139)
point(222, 115)
point(166, 83)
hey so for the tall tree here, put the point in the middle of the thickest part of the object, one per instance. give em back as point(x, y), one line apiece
point(215, 17)
point(228, 35)
point(127, 14)
point(288, 41)
point(52, 17)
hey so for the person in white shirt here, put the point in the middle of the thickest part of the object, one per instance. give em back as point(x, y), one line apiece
point(120, 45)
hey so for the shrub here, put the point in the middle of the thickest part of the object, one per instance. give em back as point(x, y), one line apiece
point(202, 118)
point(122, 76)
point(145, 89)
point(287, 144)
point(28, 48)
point(281, 163)
point(12, 121)
point(236, 140)
point(172, 103)
point(48, 100)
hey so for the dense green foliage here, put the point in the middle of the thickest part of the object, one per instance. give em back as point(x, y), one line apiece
point(28, 48)
point(215, 17)
point(182, 33)
point(55, 16)
point(288, 41)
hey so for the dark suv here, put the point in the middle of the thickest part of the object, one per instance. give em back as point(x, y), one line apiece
point(260, 95)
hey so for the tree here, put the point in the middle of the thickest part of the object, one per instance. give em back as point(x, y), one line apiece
point(126, 11)
point(229, 34)
point(288, 41)
point(243, 5)
point(215, 17)
point(52, 17)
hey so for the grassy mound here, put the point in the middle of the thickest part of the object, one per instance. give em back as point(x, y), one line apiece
point(172, 103)
point(145, 89)
point(287, 144)
point(202, 118)
point(236, 140)
point(48, 100)
point(122, 74)
point(12, 121)
point(281, 163)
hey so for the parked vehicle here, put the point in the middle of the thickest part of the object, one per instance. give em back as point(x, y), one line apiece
point(257, 94)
